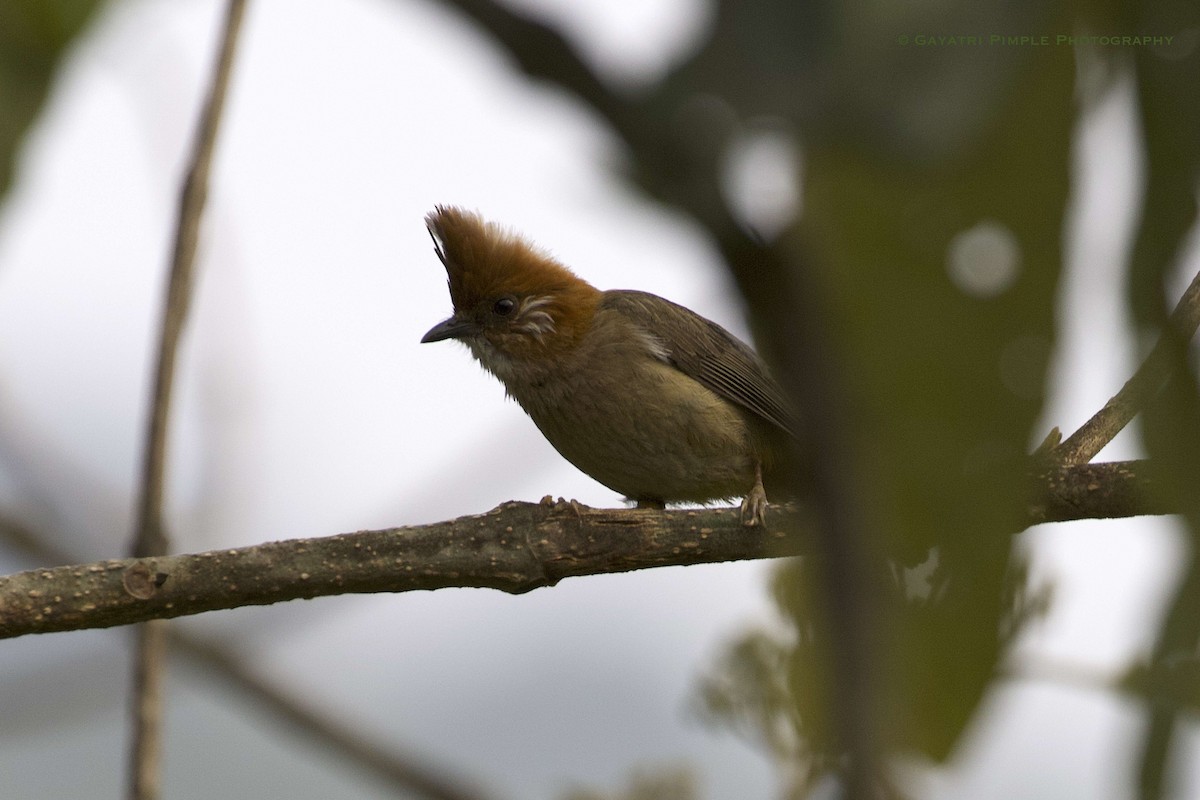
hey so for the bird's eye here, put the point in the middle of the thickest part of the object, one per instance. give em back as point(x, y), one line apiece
point(504, 306)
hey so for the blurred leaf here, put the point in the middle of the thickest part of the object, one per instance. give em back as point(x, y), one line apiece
point(34, 35)
point(769, 687)
point(939, 252)
point(749, 691)
point(1172, 434)
point(936, 180)
point(1169, 111)
point(667, 783)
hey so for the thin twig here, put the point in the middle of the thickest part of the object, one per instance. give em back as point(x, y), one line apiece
point(1083, 445)
point(149, 673)
point(150, 537)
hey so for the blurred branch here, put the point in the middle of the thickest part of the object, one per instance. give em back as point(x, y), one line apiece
point(150, 538)
point(671, 164)
point(514, 548)
point(542, 52)
point(1173, 685)
point(1083, 445)
point(405, 774)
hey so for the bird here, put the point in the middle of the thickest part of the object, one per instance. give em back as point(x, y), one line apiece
point(644, 395)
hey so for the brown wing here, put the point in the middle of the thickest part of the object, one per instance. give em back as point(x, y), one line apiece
point(707, 352)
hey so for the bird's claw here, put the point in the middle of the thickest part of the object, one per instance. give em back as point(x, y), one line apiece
point(754, 507)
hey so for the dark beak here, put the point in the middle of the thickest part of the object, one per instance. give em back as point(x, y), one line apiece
point(453, 328)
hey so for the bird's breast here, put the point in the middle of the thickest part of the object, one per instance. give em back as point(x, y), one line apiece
point(617, 410)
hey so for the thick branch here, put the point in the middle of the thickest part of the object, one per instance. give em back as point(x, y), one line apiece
point(514, 548)
point(1108, 490)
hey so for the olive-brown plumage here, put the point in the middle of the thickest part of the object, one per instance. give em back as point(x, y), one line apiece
point(649, 398)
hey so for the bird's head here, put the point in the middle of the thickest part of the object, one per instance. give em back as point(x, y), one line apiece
point(512, 302)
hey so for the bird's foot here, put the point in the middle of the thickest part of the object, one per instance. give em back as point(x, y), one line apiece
point(573, 504)
point(658, 505)
point(754, 505)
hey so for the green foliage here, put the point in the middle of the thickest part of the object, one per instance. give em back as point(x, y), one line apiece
point(945, 371)
point(936, 182)
point(34, 35)
point(1169, 111)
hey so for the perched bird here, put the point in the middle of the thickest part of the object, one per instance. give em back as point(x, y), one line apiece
point(650, 399)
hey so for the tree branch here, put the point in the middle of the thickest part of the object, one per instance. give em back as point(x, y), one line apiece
point(150, 538)
point(1108, 490)
point(515, 548)
point(1083, 445)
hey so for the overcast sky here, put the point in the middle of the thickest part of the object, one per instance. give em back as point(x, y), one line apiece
point(306, 407)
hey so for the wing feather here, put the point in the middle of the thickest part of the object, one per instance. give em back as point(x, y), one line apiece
point(705, 351)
